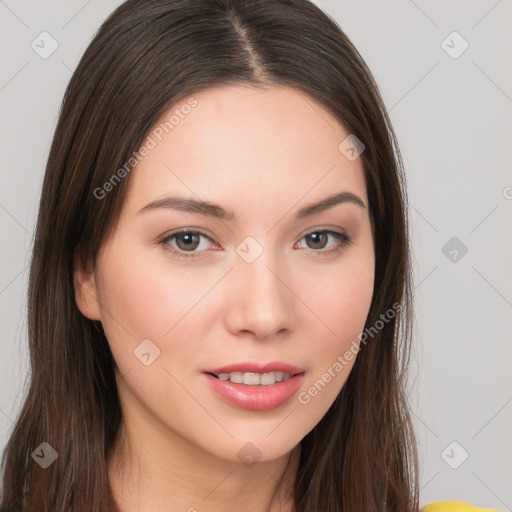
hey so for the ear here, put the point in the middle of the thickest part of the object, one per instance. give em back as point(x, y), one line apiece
point(86, 293)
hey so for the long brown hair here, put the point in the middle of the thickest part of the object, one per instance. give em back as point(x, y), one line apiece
point(147, 56)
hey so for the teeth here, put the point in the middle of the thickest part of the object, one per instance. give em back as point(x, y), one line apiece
point(254, 379)
point(267, 379)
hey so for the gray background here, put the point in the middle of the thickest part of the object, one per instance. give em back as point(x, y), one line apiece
point(454, 124)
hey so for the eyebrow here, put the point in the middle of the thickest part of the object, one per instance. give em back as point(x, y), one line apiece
point(190, 205)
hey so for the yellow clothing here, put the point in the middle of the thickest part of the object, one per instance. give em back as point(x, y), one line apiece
point(455, 506)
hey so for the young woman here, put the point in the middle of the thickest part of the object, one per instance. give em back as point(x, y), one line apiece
point(220, 289)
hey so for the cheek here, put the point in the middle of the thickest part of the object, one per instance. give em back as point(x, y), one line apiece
point(129, 295)
point(341, 301)
point(145, 299)
point(345, 316)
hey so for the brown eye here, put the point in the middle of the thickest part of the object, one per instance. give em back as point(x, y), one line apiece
point(182, 242)
point(318, 240)
point(187, 241)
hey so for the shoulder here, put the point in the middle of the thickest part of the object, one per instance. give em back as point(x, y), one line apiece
point(454, 506)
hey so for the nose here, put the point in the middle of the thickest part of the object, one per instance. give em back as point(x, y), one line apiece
point(260, 299)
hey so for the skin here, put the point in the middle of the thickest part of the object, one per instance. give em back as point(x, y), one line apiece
point(265, 154)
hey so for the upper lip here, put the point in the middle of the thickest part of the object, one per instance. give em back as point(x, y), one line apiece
point(254, 367)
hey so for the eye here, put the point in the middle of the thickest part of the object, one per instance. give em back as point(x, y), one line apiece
point(186, 242)
point(319, 240)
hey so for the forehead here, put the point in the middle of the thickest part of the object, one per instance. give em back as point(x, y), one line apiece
point(262, 144)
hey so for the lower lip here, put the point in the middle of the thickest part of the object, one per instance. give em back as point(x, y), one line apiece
point(255, 398)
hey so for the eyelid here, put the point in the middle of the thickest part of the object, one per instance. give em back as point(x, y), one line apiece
point(170, 234)
point(325, 228)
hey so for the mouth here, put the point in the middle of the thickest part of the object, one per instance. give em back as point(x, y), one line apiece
point(254, 386)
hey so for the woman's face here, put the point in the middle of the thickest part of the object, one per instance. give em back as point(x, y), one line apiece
point(274, 283)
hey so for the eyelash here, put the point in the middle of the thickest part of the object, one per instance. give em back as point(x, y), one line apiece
point(343, 241)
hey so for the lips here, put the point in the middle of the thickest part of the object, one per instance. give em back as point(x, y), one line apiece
point(255, 397)
point(274, 366)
